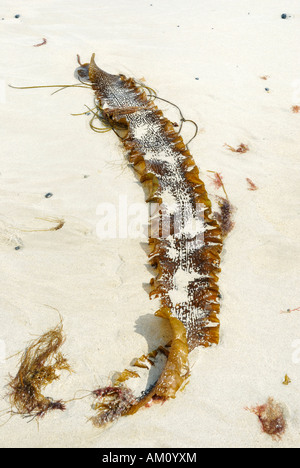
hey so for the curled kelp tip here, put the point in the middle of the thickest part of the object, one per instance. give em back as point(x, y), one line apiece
point(176, 370)
point(82, 72)
point(118, 400)
point(38, 368)
point(98, 77)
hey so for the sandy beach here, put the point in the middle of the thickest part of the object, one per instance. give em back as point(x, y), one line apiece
point(231, 66)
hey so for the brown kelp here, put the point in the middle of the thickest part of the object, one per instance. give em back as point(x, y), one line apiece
point(184, 238)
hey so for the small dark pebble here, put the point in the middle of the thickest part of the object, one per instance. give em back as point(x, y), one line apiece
point(17, 16)
point(267, 89)
point(197, 78)
point(284, 16)
point(49, 195)
point(18, 247)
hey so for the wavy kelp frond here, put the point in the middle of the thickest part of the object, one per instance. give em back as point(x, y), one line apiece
point(38, 368)
point(185, 259)
point(182, 118)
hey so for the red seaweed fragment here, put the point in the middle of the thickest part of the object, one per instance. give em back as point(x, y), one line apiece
point(288, 311)
point(217, 180)
point(242, 148)
point(41, 43)
point(251, 185)
point(296, 109)
point(271, 417)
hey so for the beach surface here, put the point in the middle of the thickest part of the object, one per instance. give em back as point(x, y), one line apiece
point(234, 68)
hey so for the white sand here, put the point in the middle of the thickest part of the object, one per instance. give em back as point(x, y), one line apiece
point(97, 285)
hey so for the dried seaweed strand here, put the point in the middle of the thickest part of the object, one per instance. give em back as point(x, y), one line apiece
point(38, 368)
point(59, 225)
point(242, 148)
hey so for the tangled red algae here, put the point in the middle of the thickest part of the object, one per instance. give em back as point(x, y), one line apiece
point(271, 417)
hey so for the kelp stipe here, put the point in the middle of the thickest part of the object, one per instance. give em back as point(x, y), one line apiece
point(186, 262)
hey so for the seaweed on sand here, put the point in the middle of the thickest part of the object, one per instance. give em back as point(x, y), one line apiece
point(38, 367)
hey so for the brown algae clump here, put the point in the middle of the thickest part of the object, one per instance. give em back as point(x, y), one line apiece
point(38, 367)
